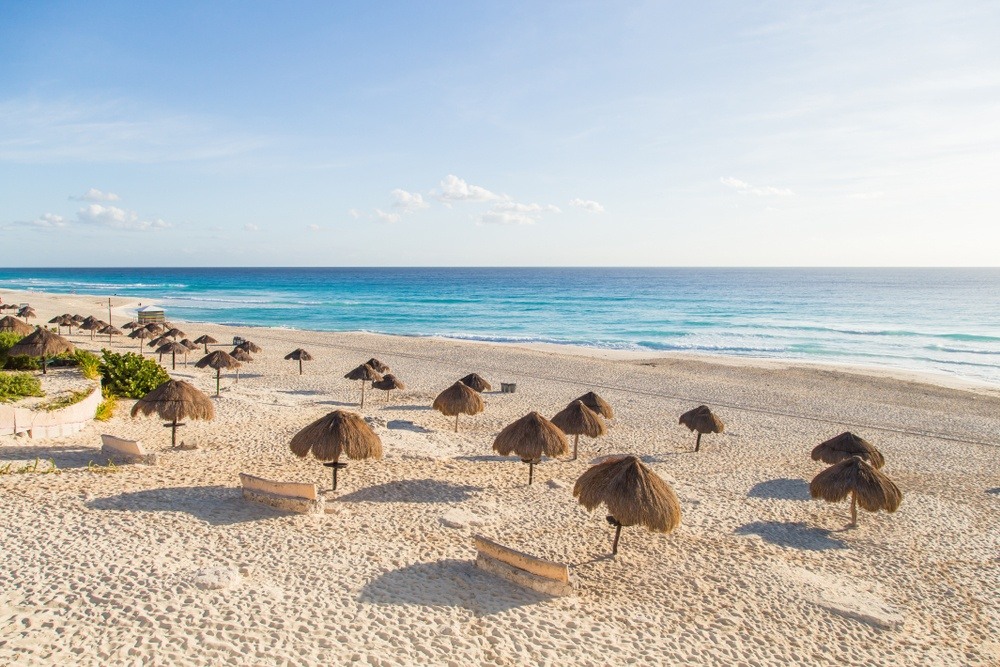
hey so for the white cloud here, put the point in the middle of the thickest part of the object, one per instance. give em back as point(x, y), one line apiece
point(49, 221)
point(455, 189)
point(250, 227)
point(513, 213)
point(355, 213)
point(587, 205)
point(312, 228)
point(93, 194)
point(117, 218)
point(407, 202)
point(386, 217)
point(745, 188)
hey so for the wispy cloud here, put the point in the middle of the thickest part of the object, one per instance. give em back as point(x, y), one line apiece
point(587, 205)
point(117, 218)
point(313, 228)
point(407, 202)
point(745, 188)
point(454, 189)
point(93, 194)
point(250, 227)
point(513, 213)
point(386, 217)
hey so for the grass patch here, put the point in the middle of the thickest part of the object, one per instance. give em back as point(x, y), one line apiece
point(15, 386)
point(9, 469)
point(73, 398)
point(106, 410)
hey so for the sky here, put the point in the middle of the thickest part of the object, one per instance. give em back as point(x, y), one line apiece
point(500, 134)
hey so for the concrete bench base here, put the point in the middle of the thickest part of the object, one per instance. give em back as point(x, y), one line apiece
point(287, 496)
point(517, 567)
point(121, 450)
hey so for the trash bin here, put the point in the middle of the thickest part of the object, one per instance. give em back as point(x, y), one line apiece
point(507, 387)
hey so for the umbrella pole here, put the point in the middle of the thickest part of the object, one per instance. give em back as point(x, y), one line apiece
point(576, 441)
point(618, 534)
point(300, 365)
point(173, 434)
point(362, 394)
point(218, 373)
point(44, 366)
point(531, 472)
point(697, 443)
point(456, 423)
point(173, 361)
point(854, 509)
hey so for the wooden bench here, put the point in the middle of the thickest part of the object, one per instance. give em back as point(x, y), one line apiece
point(125, 451)
point(544, 576)
point(290, 496)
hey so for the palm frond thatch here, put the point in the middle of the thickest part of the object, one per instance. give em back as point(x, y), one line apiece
point(175, 400)
point(205, 340)
point(845, 446)
point(336, 434)
point(597, 404)
point(388, 383)
point(702, 420)
point(41, 343)
point(8, 323)
point(867, 486)
point(364, 372)
point(378, 365)
point(219, 360)
point(189, 344)
point(458, 399)
point(476, 382)
point(250, 346)
point(577, 419)
point(298, 355)
point(531, 437)
point(239, 354)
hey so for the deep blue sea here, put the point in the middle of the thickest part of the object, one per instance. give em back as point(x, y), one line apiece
point(941, 320)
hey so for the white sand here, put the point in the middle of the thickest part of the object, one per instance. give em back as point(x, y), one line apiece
point(168, 565)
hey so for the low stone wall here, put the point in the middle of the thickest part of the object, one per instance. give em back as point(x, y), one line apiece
point(288, 496)
point(43, 424)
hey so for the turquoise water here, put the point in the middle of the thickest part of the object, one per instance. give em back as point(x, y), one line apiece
point(940, 320)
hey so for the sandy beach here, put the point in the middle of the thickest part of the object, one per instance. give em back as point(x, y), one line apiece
point(168, 565)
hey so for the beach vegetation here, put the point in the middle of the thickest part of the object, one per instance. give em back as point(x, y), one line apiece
point(106, 409)
point(15, 386)
point(29, 468)
point(88, 363)
point(130, 375)
point(16, 363)
point(96, 467)
point(69, 399)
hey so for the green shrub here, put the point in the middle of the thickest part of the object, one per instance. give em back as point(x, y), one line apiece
point(130, 375)
point(19, 363)
point(88, 363)
point(18, 385)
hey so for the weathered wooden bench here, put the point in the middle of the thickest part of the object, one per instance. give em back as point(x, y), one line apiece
point(291, 496)
point(544, 576)
point(121, 450)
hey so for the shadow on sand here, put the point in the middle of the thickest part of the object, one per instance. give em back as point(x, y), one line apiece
point(404, 425)
point(484, 457)
point(448, 583)
point(793, 535)
point(216, 505)
point(340, 404)
point(413, 491)
point(780, 489)
point(65, 457)
point(995, 491)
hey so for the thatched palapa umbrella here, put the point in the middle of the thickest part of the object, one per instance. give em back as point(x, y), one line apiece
point(131, 325)
point(867, 486)
point(458, 399)
point(174, 333)
point(153, 328)
point(173, 349)
point(378, 365)
point(218, 360)
point(633, 494)
point(531, 437)
point(476, 382)
point(41, 343)
point(26, 312)
point(78, 319)
point(298, 355)
point(110, 331)
point(249, 346)
point(8, 323)
point(387, 384)
point(702, 420)
point(577, 419)
point(91, 324)
point(140, 334)
point(190, 345)
point(175, 400)
point(597, 404)
point(846, 445)
point(205, 340)
point(339, 433)
point(365, 373)
point(241, 355)
point(65, 320)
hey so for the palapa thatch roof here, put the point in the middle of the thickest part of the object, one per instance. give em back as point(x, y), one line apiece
point(239, 354)
point(476, 382)
point(873, 490)
point(91, 323)
point(188, 344)
point(388, 383)
point(298, 355)
point(577, 419)
point(159, 340)
point(153, 327)
point(364, 372)
point(8, 323)
point(174, 333)
point(171, 348)
point(27, 311)
point(78, 319)
point(141, 333)
point(378, 365)
point(633, 494)
point(131, 325)
point(249, 346)
point(55, 320)
point(338, 433)
point(531, 437)
point(702, 420)
point(40, 343)
point(218, 360)
point(205, 340)
point(845, 446)
point(597, 404)
point(458, 399)
point(175, 400)
point(110, 330)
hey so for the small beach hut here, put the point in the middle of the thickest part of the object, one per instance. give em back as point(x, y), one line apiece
point(205, 340)
point(340, 433)
point(175, 400)
point(702, 420)
point(150, 313)
point(577, 419)
point(387, 384)
point(298, 355)
point(867, 486)
point(846, 445)
point(633, 494)
point(365, 373)
point(41, 343)
point(476, 382)
point(597, 404)
point(531, 437)
point(458, 399)
point(12, 324)
point(218, 360)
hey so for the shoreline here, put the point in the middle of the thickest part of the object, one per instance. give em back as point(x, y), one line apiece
point(940, 379)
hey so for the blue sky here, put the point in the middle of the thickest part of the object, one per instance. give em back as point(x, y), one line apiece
point(579, 133)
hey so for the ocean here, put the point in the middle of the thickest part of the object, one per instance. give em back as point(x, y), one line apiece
point(944, 321)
